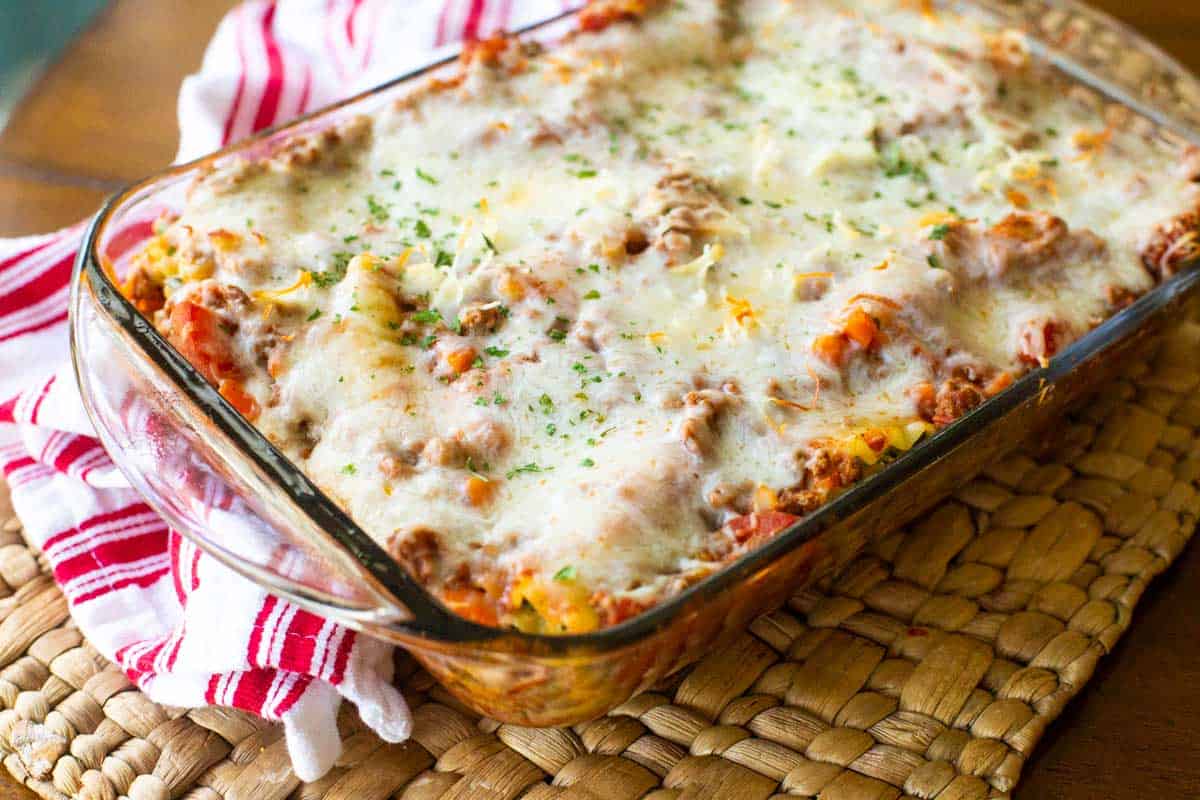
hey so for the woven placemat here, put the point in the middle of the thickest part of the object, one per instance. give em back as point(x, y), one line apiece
point(928, 669)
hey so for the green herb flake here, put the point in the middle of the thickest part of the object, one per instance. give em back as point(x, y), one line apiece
point(378, 211)
point(335, 273)
point(594, 294)
point(349, 469)
point(422, 229)
point(524, 469)
point(316, 313)
point(587, 462)
point(939, 232)
point(566, 574)
point(425, 176)
point(471, 469)
point(489, 244)
point(427, 316)
point(495, 352)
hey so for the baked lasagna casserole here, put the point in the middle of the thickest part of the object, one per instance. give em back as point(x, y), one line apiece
point(572, 327)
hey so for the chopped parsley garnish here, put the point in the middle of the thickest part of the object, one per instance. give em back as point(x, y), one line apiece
point(498, 399)
point(556, 334)
point(481, 401)
point(316, 313)
point(566, 574)
point(551, 429)
point(495, 352)
point(378, 210)
point(489, 244)
point(425, 176)
point(422, 229)
point(585, 173)
point(933, 261)
point(594, 268)
point(428, 315)
point(443, 259)
point(546, 403)
point(587, 462)
point(349, 469)
point(772, 204)
point(594, 294)
point(746, 201)
point(523, 469)
point(895, 165)
point(335, 273)
point(387, 173)
point(428, 341)
point(939, 232)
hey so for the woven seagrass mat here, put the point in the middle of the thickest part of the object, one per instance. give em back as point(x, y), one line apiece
point(928, 669)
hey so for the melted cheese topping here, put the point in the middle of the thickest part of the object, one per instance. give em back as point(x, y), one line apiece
point(569, 334)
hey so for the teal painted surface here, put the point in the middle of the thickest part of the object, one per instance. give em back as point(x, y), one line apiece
point(32, 33)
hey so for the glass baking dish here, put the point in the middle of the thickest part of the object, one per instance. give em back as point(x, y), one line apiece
point(217, 480)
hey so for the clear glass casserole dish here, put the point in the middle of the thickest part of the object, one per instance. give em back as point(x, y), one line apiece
point(215, 478)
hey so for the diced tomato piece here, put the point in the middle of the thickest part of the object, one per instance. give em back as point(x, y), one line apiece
point(196, 332)
point(876, 440)
point(1041, 340)
point(759, 526)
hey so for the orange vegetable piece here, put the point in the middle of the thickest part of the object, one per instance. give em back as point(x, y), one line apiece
point(471, 604)
point(998, 384)
point(831, 348)
point(860, 328)
point(461, 360)
point(479, 491)
point(1018, 199)
point(239, 398)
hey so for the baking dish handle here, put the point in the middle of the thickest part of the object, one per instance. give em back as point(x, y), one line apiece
point(1119, 63)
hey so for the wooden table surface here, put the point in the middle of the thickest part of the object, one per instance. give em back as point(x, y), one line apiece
point(105, 115)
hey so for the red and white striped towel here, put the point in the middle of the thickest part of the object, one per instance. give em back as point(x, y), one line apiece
point(187, 630)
